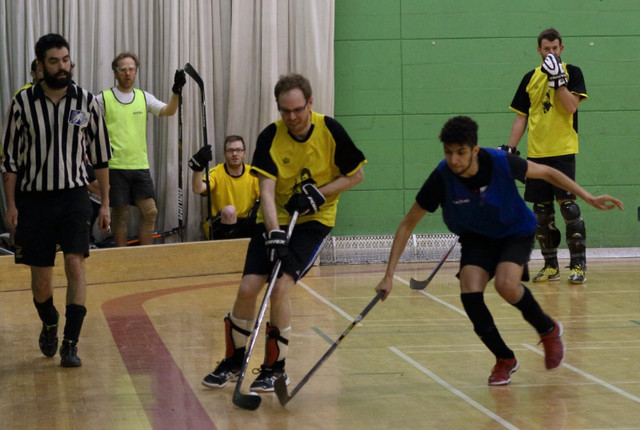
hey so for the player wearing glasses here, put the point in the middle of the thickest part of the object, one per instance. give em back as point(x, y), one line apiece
point(234, 191)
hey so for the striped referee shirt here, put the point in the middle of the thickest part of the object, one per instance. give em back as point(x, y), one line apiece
point(45, 143)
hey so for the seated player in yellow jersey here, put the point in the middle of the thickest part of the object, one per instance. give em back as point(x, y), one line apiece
point(233, 191)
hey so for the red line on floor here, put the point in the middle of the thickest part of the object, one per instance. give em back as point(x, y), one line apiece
point(165, 394)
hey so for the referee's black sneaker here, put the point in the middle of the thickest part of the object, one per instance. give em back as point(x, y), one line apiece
point(48, 340)
point(69, 354)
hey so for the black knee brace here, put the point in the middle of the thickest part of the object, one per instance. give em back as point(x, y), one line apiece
point(547, 234)
point(576, 231)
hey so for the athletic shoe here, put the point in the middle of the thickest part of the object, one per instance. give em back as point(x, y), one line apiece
point(547, 273)
point(69, 354)
point(228, 370)
point(578, 274)
point(501, 372)
point(264, 383)
point(48, 340)
point(553, 347)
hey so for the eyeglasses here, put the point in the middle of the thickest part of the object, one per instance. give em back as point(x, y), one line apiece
point(127, 69)
point(234, 151)
point(297, 111)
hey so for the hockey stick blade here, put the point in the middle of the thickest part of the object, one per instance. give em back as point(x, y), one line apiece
point(280, 384)
point(194, 75)
point(251, 401)
point(421, 285)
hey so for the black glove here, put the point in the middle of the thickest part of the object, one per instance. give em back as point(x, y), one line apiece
point(552, 67)
point(509, 149)
point(306, 202)
point(179, 79)
point(276, 243)
point(200, 159)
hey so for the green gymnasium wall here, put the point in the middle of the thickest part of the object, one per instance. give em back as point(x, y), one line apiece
point(402, 67)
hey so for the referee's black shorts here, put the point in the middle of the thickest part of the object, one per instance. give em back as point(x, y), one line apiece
point(305, 245)
point(50, 218)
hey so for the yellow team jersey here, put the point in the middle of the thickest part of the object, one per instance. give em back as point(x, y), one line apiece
point(552, 130)
point(238, 191)
point(327, 153)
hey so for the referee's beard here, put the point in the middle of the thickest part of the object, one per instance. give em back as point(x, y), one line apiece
point(61, 79)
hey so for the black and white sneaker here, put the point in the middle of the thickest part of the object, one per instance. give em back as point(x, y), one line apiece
point(265, 381)
point(227, 371)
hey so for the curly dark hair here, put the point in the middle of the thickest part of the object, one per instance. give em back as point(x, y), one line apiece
point(460, 130)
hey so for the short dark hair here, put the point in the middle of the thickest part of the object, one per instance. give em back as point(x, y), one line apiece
point(292, 81)
point(120, 56)
point(233, 138)
point(549, 34)
point(34, 65)
point(48, 41)
point(460, 130)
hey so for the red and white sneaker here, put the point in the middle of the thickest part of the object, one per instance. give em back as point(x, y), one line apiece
point(501, 372)
point(553, 347)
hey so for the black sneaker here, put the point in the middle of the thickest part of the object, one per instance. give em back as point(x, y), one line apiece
point(266, 379)
point(48, 340)
point(69, 354)
point(227, 371)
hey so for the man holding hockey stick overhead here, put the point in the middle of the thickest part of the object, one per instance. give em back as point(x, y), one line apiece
point(125, 112)
point(303, 161)
point(481, 204)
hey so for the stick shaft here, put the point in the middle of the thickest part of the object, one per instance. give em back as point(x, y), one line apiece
point(421, 285)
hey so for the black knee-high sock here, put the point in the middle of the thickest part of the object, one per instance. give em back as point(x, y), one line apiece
point(483, 324)
point(75, 316)
point(533, 314)
point(46, 311)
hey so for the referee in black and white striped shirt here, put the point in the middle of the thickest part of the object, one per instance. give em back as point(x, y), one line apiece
point(51, 128)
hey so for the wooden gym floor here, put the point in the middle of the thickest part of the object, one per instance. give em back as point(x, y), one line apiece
point(413, 363)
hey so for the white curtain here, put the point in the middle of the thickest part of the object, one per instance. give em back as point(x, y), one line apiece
point(239, 48)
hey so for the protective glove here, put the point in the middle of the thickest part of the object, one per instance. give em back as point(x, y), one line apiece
point(276, 243)
point(306, 202)
point(200, 159)
point(179, 79)
point(553, 68)
point(509, 149)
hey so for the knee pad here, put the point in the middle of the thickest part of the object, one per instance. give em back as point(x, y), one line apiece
point(277, 345)
point(120, 218)
point(547, 234)
point(576, 231)
point(149, 213)
point(235, 336)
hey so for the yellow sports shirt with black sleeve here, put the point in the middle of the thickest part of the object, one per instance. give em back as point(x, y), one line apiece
point(552, 130)
point(240, 192)
point(127, 125)
point(326, 153)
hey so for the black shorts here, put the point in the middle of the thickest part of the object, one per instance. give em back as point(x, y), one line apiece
point(539, 191)
point(485, 252)
point(244, 227)
point(127, 186)
point(46, 219)
point(305, 245)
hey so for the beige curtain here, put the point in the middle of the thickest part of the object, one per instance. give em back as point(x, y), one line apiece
point(239, 47)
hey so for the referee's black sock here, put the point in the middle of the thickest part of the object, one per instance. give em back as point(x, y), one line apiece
point(75, 317)
point(533, 314)
point(46, 311)
point(483, 324)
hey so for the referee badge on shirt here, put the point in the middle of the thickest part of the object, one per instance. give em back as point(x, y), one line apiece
point(78, 117)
